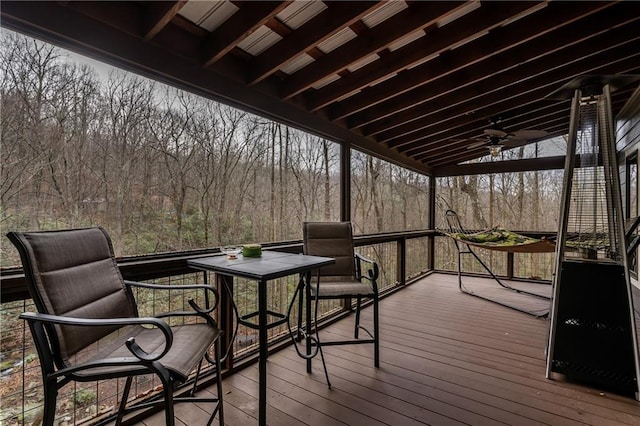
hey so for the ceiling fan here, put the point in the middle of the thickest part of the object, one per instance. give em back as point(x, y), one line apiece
point(495, 138)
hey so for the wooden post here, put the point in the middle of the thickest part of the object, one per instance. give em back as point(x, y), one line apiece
point(432, 222)
point(345, 182)
point(401, 270)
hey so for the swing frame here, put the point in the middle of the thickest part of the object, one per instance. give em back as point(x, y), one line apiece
point(455, 226)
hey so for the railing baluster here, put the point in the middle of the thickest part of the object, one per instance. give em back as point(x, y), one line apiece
point(402, 261)
point(509, 265)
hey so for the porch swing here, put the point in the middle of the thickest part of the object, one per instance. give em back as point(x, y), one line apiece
point(498, 239)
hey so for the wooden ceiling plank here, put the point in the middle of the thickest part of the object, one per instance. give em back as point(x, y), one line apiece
point(555, 15)
point(250, 17)
point(502, 49)
point(468, 101)
point(337, 16)
point(458, 156)
point(446, 153)
point(463, 85)
point(157, 15)
point(418, 15)
point(449, 153)
point(415, 146)
point(440, 153)
point(543, 114)
point(454, 155)
point(437, 40)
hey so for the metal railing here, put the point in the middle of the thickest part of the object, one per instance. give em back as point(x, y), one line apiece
point(402, 257)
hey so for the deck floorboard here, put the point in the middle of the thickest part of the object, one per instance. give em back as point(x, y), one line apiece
point(447, 358)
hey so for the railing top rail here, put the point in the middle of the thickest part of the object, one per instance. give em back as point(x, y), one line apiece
point(158, 265)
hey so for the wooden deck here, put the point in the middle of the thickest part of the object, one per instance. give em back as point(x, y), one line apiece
point(446, 358)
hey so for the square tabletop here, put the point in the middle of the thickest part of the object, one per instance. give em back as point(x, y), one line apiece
point(271, 265)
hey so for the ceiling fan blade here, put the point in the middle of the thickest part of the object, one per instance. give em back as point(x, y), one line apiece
point(529, 134)
point(515, 142)
point(475, 143)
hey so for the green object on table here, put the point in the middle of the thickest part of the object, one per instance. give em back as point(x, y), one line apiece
point(252, 250)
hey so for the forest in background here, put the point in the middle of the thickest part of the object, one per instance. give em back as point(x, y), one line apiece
point(526, 201)
point(164, 170)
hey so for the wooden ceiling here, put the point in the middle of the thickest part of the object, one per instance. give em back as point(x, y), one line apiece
point(413, 82)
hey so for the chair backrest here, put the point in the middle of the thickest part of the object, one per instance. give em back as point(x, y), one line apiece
point(453, 221)
point(73, 273)
point(331, 239)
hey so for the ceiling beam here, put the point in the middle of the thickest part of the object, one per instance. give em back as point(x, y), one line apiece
point(495, 42)
point(461, 154)
point(476, 103)
point(530, 116)
point(436, 40)
point(250, 17)
point(541, 113)
point(337, 16)
point(504, 48)
point(440, 152)
point(157, 15)
point(547, 70)
point(555, 125)
point(417, 16)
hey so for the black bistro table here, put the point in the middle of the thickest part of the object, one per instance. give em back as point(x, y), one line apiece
point(271, 265)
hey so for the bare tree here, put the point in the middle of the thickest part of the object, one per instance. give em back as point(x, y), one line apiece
point(170, 137)
point(469, 186)
point(30, 70)
point(128, 102)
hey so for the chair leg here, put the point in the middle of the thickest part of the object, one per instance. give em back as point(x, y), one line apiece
point(195, 380)
point(324, 364)
point(217, 363)
point(376, 333)
point(50, 397)
point(307, 313)
point(219, 383)
point(167, 389)
point(123, 401)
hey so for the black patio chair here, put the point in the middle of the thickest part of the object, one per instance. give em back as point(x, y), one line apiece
point(82, 298)
point(343, 279)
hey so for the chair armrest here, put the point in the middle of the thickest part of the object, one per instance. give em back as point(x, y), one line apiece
point(372, 273)
point(193, 305)
point(135, 349)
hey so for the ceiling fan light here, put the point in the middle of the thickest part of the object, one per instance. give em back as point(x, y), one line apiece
point(495, 149)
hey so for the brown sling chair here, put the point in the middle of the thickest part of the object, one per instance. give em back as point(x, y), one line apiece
point(82, 298)
point(343, 279)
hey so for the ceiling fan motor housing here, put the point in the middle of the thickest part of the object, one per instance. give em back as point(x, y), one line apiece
point(495, 133)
